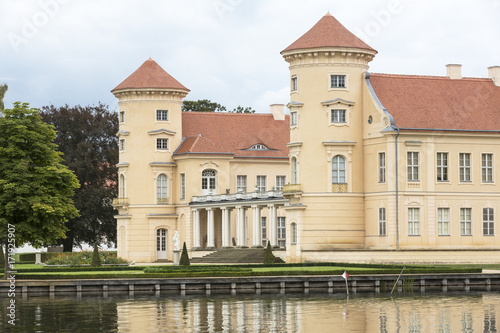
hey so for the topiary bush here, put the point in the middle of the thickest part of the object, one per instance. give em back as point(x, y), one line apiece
point(184, 256)
point(96, 261)
point(269, 257)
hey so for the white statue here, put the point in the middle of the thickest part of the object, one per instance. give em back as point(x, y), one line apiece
point(177, 242)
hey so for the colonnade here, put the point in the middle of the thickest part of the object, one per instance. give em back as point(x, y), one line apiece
point(241, 230)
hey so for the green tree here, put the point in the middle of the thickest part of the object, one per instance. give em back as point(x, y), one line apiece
point(184, 256)
point(206, 105)
point(202, 105)
point(3, 90)
point(269, 256)
point(96, 261)
point(35, 187)
point(87, 137)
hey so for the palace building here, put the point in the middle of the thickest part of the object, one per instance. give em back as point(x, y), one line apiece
point(365, 167)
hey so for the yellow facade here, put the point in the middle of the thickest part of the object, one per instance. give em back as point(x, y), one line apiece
point(355, 179)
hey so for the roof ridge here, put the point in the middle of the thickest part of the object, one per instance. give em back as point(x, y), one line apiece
point(230, 113)
point(439, 77)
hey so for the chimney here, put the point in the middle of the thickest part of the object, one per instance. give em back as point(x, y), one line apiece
point(278, 111)
point(454, 71)
point(494, 74)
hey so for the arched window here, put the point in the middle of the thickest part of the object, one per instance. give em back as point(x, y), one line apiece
point(338, 170)
point(208, 181)
point(293, 226)
point(122, 186)
point(161, 189)
point(295, 175)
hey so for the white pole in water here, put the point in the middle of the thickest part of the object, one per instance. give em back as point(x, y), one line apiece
point(345, 276)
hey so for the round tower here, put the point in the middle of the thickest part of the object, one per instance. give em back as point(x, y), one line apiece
point(327, 65)
point(150, 130)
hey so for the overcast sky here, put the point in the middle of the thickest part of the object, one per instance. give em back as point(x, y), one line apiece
point(74, 52)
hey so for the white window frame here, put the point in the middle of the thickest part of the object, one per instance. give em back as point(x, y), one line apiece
point(162, 144)
point(339, 174)
point(260, 183)
point(442, 174)
point(382, 221)
point(123, 186)
point(466, 221)
point(413, 221)
point(337, 81)
point(208, 181)
point(412, 167)
point(338, 116)
point(263, 225)
point(122, 145)
point(241, 183)
point(162, 115)
point(294, 117)
point(280, 182)
point(162, 189)
point(121, 117)
point(487, 167)
point(294, 83)
point(464, 166)
point(281, 226)
point(488, 221)
point(183, 186)
point(295, 170)
point(381, 167)
point(443, 220)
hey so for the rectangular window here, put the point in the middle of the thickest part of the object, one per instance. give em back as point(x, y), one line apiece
point(281, 231)
point(413, 221)
point(381, 167)
point(382, 224)
point(122, 116)
point(183, 186)
point(488, 222)
point(338, 116)
point(337, 81)
point(464, 167)
point(443, 221)
point(294, 233)
point(241, 183)
point(162, 144)
point(294, 83)
point(162, 115)
point(261, 183)
point(264, 230)
point(442, 167)
point(413, 166)
point(280, 182)
point(122, 144)
point(293, 118)
point(487, 168)
point(466, 221)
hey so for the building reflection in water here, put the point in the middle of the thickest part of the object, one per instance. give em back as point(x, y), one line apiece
point(311, 314)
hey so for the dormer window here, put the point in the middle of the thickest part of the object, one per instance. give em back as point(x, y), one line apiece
point(258, 147)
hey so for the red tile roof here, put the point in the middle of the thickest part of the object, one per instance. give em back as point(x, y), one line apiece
point(150, 75)
point(426, 102)
point(223, 133)
point(328, 32)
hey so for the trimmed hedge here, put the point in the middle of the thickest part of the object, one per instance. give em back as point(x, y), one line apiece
point(30, 258)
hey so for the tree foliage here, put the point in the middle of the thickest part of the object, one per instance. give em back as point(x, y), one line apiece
point(35, 187)
point(206, 105)
point(268, 256)
point(87, 137)
point(3, 90)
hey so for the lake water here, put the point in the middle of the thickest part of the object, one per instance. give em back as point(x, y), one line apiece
point(472, 312)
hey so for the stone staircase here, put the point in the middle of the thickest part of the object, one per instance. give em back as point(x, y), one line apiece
point(234, 256)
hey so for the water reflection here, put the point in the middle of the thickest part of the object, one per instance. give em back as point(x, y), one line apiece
point(264, 313)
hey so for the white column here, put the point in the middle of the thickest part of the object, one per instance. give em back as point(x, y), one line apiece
point(240, 227)
point(273, 228)
point(196, 228)
point(226, 227)
point(210, 228)
point(257, 227)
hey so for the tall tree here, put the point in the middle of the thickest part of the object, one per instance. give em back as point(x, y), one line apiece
point(35, 187)
point(3, 90)
point(206, 105)
point(87, 137)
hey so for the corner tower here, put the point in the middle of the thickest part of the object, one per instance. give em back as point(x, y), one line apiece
point(327, 65)
point(150, 130)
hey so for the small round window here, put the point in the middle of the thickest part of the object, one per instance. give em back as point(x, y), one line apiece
point(370, 119)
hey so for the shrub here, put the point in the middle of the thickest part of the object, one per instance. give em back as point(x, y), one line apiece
point(84, 258)
point(269, 257)
point(184, 256)
point(96, 260)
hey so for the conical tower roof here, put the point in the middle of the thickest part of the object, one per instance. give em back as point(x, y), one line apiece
point(328, 32)
point(150, 75)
